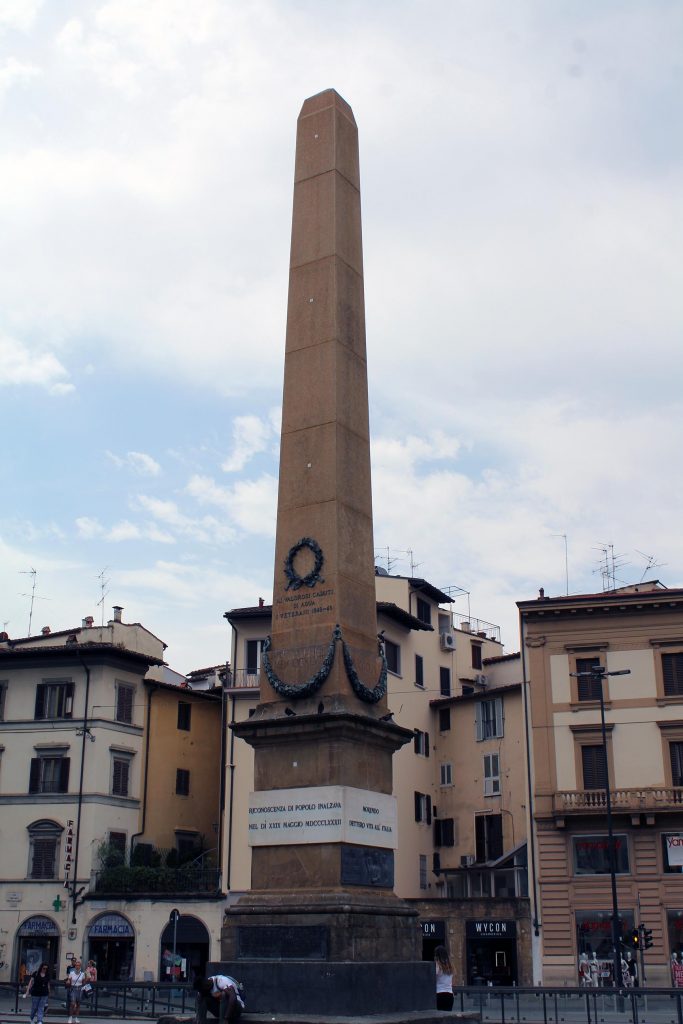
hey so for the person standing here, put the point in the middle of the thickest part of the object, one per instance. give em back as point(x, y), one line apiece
point(75, 980)
point(219, 993)
point(39, 990)
point(444, 979)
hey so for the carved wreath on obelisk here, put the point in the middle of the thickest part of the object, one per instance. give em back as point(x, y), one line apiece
point(294, 691)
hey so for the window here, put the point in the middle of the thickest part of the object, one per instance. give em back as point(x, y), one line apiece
point(488, 716)
point(488, 830)
point(591, 854)
point(120, 775)
point(444, 719)
point(54, 700)
point(117, 841)
point(182, 782)
point(3, 695)
point(184, 715)
point(423, 808)
point(491, 775)
point(188, 845)
point(44, 838)
point(676, 755)
point(423, 871)
point(125, 698)
point(672, 852)
point(392, 653)
point(594, 766)
point(424, 611)
point(446, 773)
point(419, 670)
point(445, 681)
point(672, 670)
point(476, 655)
point(49, 773)
point(588, 686)
point(444, 832)
point(421, 742)
point(253, 650)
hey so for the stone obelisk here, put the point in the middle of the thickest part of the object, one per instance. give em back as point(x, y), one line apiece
point(322, 818)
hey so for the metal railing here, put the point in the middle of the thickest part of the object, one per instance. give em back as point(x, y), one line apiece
point(646, 798)
point(573, 1005)
point(108, 999)
point(243, 678)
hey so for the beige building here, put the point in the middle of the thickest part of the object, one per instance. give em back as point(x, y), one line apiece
point(102, 831)
point(459, 785)
point(638, 630)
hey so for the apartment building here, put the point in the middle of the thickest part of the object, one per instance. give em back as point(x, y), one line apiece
point(636, 632)
point(459, 786)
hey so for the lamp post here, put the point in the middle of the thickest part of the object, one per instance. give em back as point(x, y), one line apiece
point(597, 673)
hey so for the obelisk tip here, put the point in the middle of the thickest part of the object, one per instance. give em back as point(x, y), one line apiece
point(323, 100)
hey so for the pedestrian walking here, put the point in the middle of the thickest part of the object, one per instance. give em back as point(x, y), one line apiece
point(444, 979)
point(39, 989)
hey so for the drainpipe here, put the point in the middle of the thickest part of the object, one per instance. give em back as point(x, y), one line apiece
point(148, 731)
point(232, 793)
point(221, 804)
point(86, 734)
point(532, 849)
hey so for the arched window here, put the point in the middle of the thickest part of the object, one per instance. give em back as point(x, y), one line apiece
point(44, 837)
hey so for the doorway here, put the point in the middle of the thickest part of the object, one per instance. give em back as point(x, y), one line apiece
point(192, 948)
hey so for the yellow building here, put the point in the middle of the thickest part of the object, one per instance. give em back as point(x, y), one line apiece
point(636, 630)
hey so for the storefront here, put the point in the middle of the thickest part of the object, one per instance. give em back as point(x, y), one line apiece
point(188, 957)
point(37, 943)
point(594, 938)
point(491, 952)
point(111, 944)
point(433, 935)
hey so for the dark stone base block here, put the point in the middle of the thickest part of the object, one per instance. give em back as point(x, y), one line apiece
point(329, 989)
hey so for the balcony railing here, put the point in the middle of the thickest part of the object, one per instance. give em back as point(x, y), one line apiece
point(243, 677)
point(139, 880)
point(650, 798)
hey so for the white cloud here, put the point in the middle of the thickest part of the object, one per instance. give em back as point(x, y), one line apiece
point(89, 528)
point(19, 14)
point(252, 504)
point(251, 435)
point(15, 72)
point(140, 462)
point(206, 530)
point(20, 366)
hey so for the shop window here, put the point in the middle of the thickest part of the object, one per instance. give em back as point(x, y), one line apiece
point(594, 766)
point(182, 782)
point(125, 698)
point(672, 852)
point(672, 672)
point(54, 700)
point(489, 718)
point(444, 832)
point(392, 652)
point(421, 742)
point(488, 833)
point(674, 921)
point(591, 854)
point(44, 838)
point(594, 935)
point(424, 884)
point(588, 686)
point(419, 670)
point(444, 719)
point(444, 681)
point(476, 655)
point(184, 715)
point(120, 775)
point(446, 774)
point(424, 611)
point(491, 775)
point(49, 773)
point(423, 808)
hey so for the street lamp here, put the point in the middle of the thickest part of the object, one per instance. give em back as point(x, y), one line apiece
point(597, 673)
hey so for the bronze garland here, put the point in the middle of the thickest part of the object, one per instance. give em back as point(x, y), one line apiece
point(311, 578)
point(293, 690)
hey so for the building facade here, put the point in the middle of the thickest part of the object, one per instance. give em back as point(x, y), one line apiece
point(636, 632)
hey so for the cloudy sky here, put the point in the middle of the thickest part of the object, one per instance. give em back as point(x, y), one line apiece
point(521, 167)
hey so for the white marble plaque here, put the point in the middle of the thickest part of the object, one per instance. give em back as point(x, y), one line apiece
point(322, 814)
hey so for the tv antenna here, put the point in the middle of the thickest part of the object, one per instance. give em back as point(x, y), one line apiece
point(651, 561)
point(609, 564)
point(566, 558)
point(33, 573)
point(104, 582)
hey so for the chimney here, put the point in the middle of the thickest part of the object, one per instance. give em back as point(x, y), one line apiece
point(45, 631)
point(261, 602)
point(117, 612)
point(87, 622)
point(541, 593)
point(3, 637)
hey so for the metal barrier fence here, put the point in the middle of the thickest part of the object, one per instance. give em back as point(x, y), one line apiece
point(109, 999)
point(573, 1005)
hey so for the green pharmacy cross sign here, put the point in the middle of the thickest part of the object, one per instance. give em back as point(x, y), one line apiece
point(57, 903)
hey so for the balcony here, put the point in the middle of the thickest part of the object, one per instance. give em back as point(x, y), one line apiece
point(243, 678)
point(153, 871)
point(630, 801)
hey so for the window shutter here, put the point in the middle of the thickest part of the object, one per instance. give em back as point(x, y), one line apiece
point(429, 810)
point(418, 807)
point(478, 717)
point(594, 767)
point(447, 832)
point(495, 837)
point(40, 701)
point(34, 777)
point(499, 716)
point(64, 763)
point(676, 752)
point(672, 670)
point(480, 837)
point(426, 742)
point(416, 740)
point(445, 681)
point(437, 832)
point(69, 700)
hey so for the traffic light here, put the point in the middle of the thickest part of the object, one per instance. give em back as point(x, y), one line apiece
point(648, 941)
point(635, 938)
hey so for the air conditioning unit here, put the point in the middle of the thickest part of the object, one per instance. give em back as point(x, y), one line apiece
point(467, 861)
point(481, 679)
point(447, 641)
